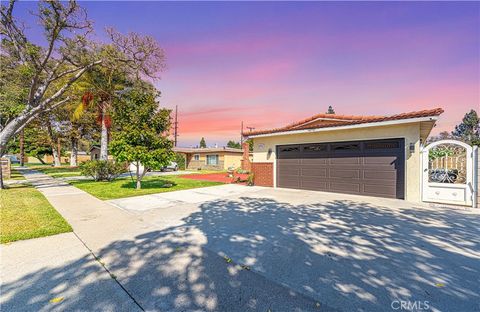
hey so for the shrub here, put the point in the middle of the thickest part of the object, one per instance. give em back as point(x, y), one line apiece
point(250, 179)
point(102, 170)
point(180, 160)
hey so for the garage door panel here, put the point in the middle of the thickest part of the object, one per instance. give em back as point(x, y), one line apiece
point(374, 168)
point(379, 190)
point(389, 175)
point(380, 160)
point(314, 161)
point(314, 172)
point(346, 160)
point(314, 184)
point(348, 187)
point(345, 173)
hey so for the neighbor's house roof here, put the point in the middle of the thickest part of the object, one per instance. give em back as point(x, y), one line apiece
point(193, 150)
point(326, 121)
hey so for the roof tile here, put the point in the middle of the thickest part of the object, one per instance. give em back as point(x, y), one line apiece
point(344, 120)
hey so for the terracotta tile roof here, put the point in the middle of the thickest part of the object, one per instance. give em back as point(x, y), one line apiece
point(332, 120)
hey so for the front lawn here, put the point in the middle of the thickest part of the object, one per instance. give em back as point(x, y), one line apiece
point(125, 187)
point(26, 213)
point(58, 172)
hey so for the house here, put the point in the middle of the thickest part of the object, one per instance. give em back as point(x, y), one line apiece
point(94, 152)
point(362, 155)
point(215, 158)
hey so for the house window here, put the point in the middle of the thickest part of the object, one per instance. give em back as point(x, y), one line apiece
point(212, 160)
point(196, 157)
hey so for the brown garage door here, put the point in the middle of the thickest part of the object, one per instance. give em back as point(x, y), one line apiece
point(373, 168)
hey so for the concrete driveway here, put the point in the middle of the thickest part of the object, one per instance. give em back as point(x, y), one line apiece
point(342, 252)
point(237, 248)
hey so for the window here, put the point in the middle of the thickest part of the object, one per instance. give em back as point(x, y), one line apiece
point(315, 148)
point(212, 160)
point(289, 149)
point(196, 157)
point(382, 145)
point(346, 147)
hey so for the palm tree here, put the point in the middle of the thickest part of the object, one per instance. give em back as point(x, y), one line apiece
point(101, 86)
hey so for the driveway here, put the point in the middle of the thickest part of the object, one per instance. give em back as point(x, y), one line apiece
point(343, 252)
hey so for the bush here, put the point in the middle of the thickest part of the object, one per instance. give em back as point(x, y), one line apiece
point(242, 171)
point(250, 179)
point(102, 170)
point(180, 160)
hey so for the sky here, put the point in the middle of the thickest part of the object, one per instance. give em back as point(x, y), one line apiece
point(271, 63)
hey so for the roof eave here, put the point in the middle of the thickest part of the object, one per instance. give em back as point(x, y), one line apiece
point(361, 125)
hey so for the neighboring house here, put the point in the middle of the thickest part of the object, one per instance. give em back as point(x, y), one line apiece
point(363, 155)
point(215, 158)
point(94, 152)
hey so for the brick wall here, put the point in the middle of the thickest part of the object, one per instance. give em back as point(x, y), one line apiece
point(246, 164)
point(262, 174)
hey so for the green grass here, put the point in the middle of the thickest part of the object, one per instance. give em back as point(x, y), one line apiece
point(58, 172)
point(25, 213)
point(125, 187)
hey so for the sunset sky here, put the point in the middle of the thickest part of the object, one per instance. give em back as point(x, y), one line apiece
point(269, 64)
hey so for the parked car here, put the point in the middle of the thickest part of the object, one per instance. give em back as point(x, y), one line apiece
point(13, 158)
point(173, 166)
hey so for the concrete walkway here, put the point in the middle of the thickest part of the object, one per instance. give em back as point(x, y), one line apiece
point(171, 271)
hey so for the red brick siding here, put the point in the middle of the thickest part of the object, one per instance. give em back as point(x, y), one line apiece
point(262, 174)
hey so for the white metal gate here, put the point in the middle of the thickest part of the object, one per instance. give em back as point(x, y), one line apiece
point(448, 173)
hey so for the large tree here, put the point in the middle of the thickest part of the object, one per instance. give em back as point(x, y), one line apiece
point(141, 135)
point(469, 129)
point(233, 144)
point(52, 70)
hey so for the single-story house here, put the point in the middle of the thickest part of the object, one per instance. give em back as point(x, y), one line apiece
point(215, 158)
point(362, 155)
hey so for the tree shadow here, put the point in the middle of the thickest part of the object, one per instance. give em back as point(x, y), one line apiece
point(151, 184)
point(260, 254)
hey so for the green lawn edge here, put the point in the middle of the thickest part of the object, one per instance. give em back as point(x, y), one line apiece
point(25, 213)
point(124, 187)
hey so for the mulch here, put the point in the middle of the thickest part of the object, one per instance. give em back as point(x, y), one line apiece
point(218, 177)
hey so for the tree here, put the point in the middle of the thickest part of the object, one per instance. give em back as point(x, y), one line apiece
point(444, 135)
point(233, 144)
point(203, 144)
point(469, 129)
point(141, 135)
point(67, 55)
point(330, 110)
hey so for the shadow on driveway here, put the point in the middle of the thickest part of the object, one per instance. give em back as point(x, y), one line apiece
point(347, 255)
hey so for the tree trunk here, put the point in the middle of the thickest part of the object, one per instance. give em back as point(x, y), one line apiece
point(139, 179)
point(104, 138)
point(1, 177)
point(74, 152)
point(22, 148)
point(56, 157)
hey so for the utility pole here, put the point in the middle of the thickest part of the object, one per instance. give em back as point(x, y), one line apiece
point(250, 128)
point(175, 126)
point(241, 135)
